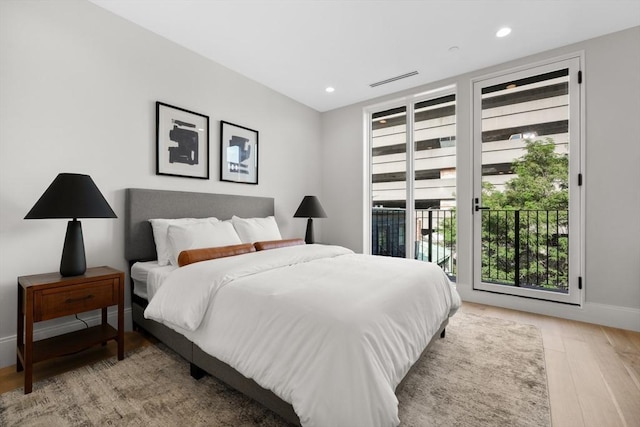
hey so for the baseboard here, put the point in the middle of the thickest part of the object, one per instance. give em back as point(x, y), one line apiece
point(614, 316)
point(600, 314)
point(8, 344)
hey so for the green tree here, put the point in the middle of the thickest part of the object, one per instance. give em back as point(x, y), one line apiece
point(541, 181)
point(534, 205)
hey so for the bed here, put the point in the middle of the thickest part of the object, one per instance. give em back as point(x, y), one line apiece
point(287, 380)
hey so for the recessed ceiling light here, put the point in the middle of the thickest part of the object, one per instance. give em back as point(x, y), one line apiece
point(383, 121)
point(330, 89)
point(511, 86)
point(503, 32)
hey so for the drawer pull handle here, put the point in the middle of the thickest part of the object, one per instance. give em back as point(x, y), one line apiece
point(72, 300)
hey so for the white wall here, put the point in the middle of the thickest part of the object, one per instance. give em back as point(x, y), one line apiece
point(78, 87)
point(612, 179)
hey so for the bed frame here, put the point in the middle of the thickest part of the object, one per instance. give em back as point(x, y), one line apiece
point(142, 205)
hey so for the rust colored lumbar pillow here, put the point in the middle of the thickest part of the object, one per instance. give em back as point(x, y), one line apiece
point(203, 254)
point(272, 244)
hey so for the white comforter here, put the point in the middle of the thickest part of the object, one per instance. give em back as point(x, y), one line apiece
point(330, 331)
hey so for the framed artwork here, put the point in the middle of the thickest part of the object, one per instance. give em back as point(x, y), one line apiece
point(238, 154)
point(182, 139)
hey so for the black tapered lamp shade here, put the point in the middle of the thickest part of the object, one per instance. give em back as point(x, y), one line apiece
point(310, 208)
point(72, 196)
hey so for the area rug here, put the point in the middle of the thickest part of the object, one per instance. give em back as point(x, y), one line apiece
point(486, 372)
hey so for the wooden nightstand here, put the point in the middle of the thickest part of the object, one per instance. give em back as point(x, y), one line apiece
point(48, 296)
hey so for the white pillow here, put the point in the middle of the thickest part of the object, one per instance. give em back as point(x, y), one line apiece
point(253, 230)
point(160, 227)
point(200, 235)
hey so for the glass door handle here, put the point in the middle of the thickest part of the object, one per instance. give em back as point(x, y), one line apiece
point(477, 207)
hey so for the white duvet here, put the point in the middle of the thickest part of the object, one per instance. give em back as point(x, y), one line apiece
point(330, 331)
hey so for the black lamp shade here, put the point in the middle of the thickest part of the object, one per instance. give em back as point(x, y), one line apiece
point(310, 208)
point(72, 196)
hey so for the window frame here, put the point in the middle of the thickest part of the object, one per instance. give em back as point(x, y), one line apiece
point(407, 102)
point(575, 63)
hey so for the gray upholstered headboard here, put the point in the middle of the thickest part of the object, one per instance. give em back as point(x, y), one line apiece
point(142, 205)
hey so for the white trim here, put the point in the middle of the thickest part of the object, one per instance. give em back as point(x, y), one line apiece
point(433, 94)
point(582, 170)
point(501, 73)
point(366, 181)
point(418, 97)
point(600, 314)
point(408, 102)
point(8, 343)
point(410, 183)
point(574, 63)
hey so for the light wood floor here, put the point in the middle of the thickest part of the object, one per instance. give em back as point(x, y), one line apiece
point(593, 371)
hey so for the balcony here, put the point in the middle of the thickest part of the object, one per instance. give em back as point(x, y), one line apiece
point(523, 248)
point(435, 236)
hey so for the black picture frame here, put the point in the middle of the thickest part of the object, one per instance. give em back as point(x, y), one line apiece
point(238, 154)
point(182, 142)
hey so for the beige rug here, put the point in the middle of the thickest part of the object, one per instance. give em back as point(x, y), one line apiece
point(486, 372)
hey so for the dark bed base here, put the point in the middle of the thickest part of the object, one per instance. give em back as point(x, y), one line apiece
point(202, 363)
point(142, 204)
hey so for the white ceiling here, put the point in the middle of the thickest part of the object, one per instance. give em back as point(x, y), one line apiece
point(299, 47)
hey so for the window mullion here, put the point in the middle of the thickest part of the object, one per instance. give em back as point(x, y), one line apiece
point(410, 182)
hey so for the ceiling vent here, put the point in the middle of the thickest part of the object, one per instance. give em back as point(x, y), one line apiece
point(393, 79)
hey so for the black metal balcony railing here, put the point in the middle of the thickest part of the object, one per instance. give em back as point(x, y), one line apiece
point(436, 229)
point(387, 232)
point(524, 248)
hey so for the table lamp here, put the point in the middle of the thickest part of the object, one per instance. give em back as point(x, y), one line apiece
point(73, 196)
point(310, 208)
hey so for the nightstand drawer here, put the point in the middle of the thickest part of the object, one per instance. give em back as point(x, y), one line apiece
point(52, 303)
